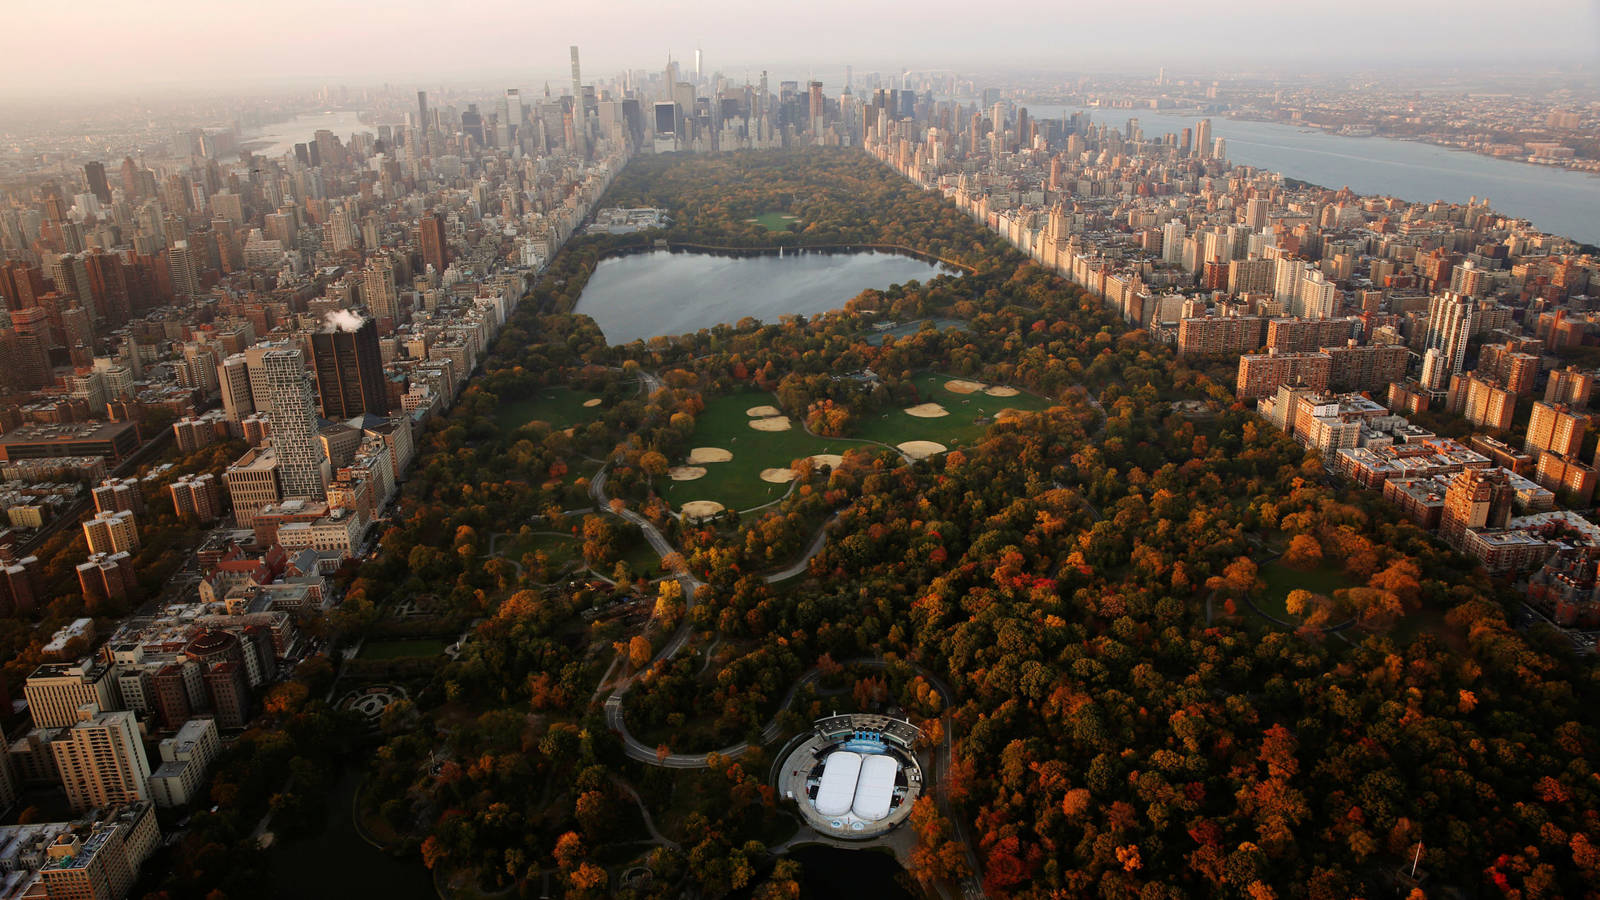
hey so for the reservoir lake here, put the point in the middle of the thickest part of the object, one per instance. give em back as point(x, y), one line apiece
point(662, 292)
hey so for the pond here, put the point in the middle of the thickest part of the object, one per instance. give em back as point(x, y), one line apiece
point(662, 292)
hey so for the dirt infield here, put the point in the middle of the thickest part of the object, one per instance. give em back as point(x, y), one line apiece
point(700, 509)
point(701, 455)
point(831, 460)
point(772, 423)
point(960, 386)
point(762, 412)
point(593, 401)
point(777, 476)
point(927, 411)
point(686, 473)
point(1001, 390)
point(921, 449)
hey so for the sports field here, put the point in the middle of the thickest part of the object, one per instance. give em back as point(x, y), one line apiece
point(969, 412)
point(737, 484)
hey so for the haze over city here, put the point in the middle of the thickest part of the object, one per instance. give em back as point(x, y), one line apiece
point(103, 48)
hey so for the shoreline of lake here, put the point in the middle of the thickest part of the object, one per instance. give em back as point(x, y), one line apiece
point(654, 291)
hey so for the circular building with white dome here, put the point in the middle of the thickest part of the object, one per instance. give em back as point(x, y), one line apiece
point(854, 776)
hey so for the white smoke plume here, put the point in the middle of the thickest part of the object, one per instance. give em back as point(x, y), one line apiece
point(342, 320)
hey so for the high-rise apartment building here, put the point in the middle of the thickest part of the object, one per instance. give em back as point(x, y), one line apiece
point(1261, 374)
point(1555, 428)
point(1450, 324)
point(1288, 335)
point(112, 532)
point(1219, 335)
point(580, 129)
point(197, 497)
point(102, 760)
point(1566, 475)
point(55, 691)
point(1371, 368)
point(378, 288)
point(1569, 386)
point(107, 577)
point(1482, 402)
point(253, 483)
point(303, 469)
point(1477, 499)
point(118, 495)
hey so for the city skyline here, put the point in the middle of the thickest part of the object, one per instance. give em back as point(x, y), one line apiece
point(160, 46)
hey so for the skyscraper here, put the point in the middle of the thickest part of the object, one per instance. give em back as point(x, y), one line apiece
point(233, 376)
point(431, 236)
point(422, 113)
point(378, 288)
point(302, 466)
point(1202, 138)
point(95, 174)
point(349, 371)
point(580, 127)
point(101, 760)
point(511, 115)
point(185, 274)
point(1450, 321)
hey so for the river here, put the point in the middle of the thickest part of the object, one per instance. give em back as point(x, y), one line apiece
point(1558, 201)
point(660, 292)
point(279, 138)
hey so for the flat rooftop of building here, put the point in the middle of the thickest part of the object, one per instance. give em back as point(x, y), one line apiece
point(36, 432)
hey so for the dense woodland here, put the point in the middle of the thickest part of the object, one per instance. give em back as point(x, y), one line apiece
point(1084, 579)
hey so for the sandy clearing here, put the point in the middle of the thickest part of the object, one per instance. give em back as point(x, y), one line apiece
point(686, 473)
point(593, 402)
point(832, 460)
point(777, 476)
point(960, 386)
point(701, 455)
point(927, 411)
point(761, 412)
point(772, 423)
point(700, 509)
point(1001, 390)
point(921, 449)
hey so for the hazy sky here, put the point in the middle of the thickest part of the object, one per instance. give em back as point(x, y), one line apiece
point(115, 46)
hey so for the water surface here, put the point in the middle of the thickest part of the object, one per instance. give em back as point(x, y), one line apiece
point(279, 138)
point(665, 293)
point(1557, 201)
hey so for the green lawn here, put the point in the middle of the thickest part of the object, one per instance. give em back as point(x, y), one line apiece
point(1281, 579)
point(775, 221)
point(641, 557)
point(737, 483)
point(560, 548)
point(410, 648)
point(559, 406)
point(958, 429)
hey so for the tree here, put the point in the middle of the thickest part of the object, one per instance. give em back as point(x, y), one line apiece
point(653, 463)
point(639, 651)
point(1304, 553)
